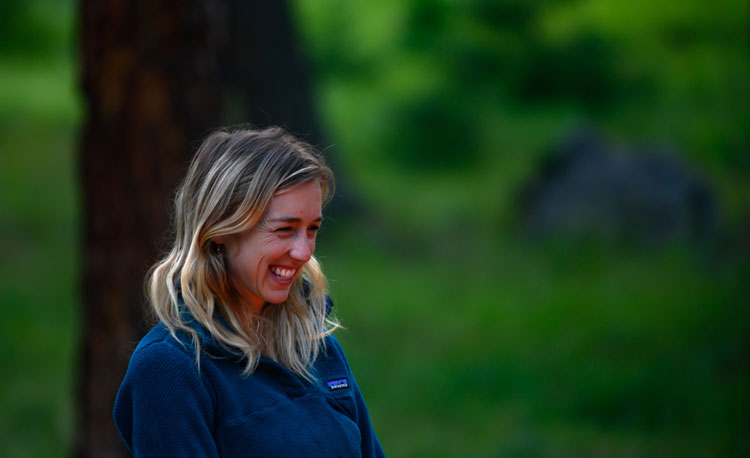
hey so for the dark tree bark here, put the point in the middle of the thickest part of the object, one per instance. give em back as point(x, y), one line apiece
point(151, 89)
point(269, 70)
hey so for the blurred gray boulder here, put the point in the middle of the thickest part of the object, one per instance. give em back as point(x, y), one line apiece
point(588, 188)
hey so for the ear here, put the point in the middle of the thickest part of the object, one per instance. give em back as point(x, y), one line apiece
point(219, 240)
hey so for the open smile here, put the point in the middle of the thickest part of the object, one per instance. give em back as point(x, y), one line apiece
point(283, 274)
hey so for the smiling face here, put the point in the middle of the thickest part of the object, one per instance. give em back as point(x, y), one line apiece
point(264, 260)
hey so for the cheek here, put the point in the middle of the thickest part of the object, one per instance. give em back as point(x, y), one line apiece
point(243, 264)
point(272, 252)
point(238, 266)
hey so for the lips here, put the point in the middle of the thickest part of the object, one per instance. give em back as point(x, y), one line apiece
point(283, 274)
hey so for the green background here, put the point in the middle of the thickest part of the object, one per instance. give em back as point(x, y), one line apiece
point(467, 338)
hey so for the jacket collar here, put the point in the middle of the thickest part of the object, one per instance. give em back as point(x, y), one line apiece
point(209, 344)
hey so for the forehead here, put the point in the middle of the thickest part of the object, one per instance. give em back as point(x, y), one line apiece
point(303, 199)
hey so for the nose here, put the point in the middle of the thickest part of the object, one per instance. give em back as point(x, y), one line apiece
point(302, 248)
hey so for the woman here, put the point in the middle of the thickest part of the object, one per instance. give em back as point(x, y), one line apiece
point(242, 362)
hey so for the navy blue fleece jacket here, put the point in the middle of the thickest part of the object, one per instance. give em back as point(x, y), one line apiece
point(166, 407)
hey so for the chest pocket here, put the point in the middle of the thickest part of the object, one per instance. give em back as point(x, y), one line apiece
point(334, 379)
point(340, 397)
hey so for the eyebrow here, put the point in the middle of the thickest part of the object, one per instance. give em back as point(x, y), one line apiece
point(292, 219)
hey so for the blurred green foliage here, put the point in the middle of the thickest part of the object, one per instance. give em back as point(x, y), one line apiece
point(38, 286)
point(512, 349)
point(466, 339)
point(38, 228)
point(436, 86)
point(39, 28)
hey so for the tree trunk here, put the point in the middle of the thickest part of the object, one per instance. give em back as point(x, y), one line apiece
point(151, 89)
point(155, 77)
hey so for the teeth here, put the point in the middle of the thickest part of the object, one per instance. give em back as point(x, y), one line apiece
point(283, 273)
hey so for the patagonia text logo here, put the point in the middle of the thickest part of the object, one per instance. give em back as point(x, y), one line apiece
point(338, 384)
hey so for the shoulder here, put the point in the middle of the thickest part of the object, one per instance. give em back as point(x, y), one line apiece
point(163, 382)
point(159, 346)
point(332, 358)
point(159, 357)
point(162, 369)
point(332, 342)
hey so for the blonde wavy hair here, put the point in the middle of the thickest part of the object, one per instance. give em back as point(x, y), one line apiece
point(228, 186)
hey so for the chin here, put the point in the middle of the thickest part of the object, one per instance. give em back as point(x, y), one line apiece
point(277, 298)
